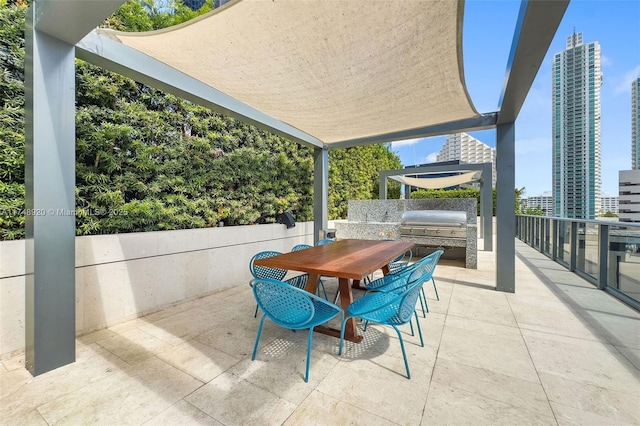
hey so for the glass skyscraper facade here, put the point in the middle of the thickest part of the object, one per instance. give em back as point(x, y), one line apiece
point(577, 77)
point(635, 121)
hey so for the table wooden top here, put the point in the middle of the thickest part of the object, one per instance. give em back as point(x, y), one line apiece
point(353, 259)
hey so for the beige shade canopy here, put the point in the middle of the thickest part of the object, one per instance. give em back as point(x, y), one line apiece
point(337, 70)
point(438, 182)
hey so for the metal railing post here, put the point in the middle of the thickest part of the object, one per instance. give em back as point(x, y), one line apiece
point(573, 246)
point(556, 239)
point(603, 255)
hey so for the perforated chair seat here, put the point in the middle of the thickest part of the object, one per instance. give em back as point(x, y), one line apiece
point(393, 308)
point(292, 308)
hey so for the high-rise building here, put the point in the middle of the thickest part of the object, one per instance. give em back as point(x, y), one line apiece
point(629, 190)
point(544, 201)
point(577, 77)
point(467, 149)
point(635, 122)
point(609, 204)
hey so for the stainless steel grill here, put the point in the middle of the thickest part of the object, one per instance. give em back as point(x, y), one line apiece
point(440, 224)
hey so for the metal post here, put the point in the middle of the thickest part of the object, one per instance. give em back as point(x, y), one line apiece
point(555, 240)
point(573, 247)
point(382, 186)
point(50, 307)
point(320, 191)
point(543, 233)
point(505, 207)
point(486, 206)
point(603, 255)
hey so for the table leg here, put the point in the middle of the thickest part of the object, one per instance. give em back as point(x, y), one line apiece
point(346, 298)
point(350, 330)
point(356, 285)
point(312, 283)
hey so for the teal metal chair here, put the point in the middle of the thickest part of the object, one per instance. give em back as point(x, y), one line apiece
point(292, 308)
point(258, 271)
point(400, 262)
point(320, 283)
point(429, 263)
point(325, 241)
point(393, 308)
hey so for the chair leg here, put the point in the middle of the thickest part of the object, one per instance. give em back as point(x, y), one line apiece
point(255, 347)
point(255, 314)
point(435, 288)
point(419, 330)
point(306, 373)
point(404, 354)
point(335, 299)
point(423, 303)
point(323, 289)
point(344, 321)
point(411, 325)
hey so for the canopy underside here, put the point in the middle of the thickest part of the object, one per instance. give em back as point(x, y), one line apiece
point(439, 182)
point(337, 70)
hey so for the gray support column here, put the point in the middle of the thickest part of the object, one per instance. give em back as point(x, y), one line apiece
point(382, 186)
point(486, 207)
point(505, 207)
point(320, 190)
point(50, 200)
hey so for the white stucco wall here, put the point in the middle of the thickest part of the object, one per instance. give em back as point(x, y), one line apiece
point(124, 276)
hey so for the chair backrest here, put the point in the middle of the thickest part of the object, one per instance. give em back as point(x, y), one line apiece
point(285, 305)
point(399, 309)
point(264, 271)
point(408, 302)
point(300, 247)
point(402, 256)
point(425, 267)
point(325, 241)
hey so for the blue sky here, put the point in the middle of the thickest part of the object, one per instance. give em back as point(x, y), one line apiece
point(487, 35)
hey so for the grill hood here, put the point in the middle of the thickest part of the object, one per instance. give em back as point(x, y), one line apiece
point(435, 218)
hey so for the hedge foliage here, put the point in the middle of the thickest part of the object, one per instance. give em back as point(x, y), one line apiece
point(146, 160)
point(472, 193)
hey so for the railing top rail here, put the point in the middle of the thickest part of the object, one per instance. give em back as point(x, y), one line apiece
point(594, 221)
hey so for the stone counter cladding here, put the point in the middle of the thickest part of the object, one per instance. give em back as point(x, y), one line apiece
point(378, 219)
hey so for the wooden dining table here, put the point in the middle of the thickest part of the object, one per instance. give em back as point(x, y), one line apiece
point(346, 260)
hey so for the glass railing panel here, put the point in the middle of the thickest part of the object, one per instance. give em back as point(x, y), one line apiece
point(564, 242)
point(587, 259)
point(548, 236)
point(624, 260)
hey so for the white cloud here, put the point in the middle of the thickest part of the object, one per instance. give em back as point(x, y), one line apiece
point(432, 158)
point(407, 142)
point(605, 60)
point(623, 85)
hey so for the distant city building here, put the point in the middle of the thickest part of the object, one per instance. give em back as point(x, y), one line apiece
point(467, 149)
point(577, 77)
point(635, 122)
point(544, 201)
point(609, 204)
point(629, 200)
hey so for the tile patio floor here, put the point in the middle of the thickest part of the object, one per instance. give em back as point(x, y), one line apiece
point(556, 352)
